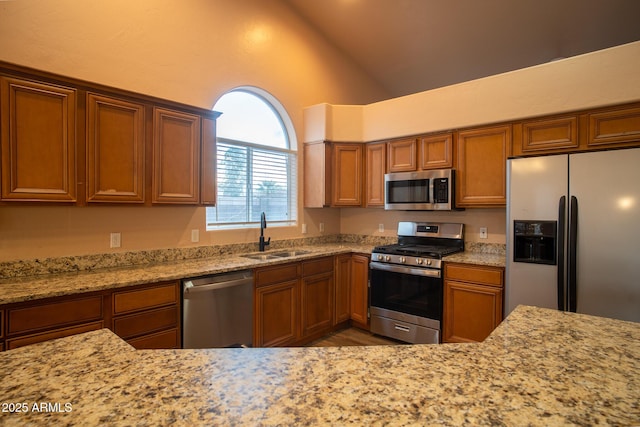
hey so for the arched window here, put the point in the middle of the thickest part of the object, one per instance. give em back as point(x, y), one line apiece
point(256, 162)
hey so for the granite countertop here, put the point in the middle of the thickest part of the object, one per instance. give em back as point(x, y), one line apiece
point(539, 367)
point(29, 288)
point(51, 285)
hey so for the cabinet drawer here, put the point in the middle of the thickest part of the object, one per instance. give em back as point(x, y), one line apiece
point(53, 315)
point(476, 274)
point(278, 274)
point(150, 321)
point(51, 335)
point(613, 127)
point(129, 301)
point(165, 339)
point(317, 266)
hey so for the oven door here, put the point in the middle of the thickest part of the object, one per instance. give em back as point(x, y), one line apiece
point(406, 303)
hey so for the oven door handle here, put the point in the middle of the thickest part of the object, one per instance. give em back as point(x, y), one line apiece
point(425, 272)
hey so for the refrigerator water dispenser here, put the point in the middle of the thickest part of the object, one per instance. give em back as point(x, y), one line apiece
point(535, 241)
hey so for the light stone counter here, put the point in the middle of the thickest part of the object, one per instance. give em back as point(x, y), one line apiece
point(539, 367)
point(51, 285)
point(33, 287)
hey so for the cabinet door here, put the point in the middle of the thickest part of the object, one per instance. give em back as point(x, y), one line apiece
point(317, 303)
point(209, 184)
point(343, 289)
point(317, 175)
point(402, 155)
point(617, 127)
point(436, 151)
point(347, 174)
point(115, 150)
point(544, 136)
point(481, 166)
point(376, 166)
point(360, 291)
point(176, 157)
point(472, 311)
point(276, 314)
point(38, 139)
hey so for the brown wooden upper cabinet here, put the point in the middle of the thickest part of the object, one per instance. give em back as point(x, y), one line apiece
point(115, 150)
point(422, 153)
point(176, 157)
point(481, 166)
point(376, 161)
point(63, 140)
point(546, 135)
point(38, 140)
point(619, 126)
point(436, 151)
point(402, 155)
point(333, 174)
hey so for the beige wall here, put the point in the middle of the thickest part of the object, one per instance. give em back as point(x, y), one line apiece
point(605, 77)
point(190, 51)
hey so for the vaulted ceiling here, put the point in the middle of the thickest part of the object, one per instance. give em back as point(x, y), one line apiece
point(409, 46)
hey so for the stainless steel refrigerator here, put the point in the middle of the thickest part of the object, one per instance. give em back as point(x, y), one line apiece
point(573, 233)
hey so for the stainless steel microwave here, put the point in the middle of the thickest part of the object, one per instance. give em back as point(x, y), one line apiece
point(432, 190)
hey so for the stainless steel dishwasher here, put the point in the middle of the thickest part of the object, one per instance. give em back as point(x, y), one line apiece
point(217, 311)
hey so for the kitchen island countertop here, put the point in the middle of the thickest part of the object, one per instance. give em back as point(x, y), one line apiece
point(539, 367)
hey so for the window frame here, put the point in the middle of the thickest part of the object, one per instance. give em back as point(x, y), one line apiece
point(291, 153)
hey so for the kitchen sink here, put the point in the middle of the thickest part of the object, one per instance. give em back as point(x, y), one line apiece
point(291, 253)
point(261, 257)
point(275, 255)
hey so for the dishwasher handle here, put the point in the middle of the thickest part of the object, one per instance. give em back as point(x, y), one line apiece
point(189, 287)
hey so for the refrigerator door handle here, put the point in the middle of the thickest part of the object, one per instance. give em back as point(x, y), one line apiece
point(572, 297)
point(560, 252)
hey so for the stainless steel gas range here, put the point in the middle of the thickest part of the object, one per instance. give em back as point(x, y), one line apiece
point(406, 281)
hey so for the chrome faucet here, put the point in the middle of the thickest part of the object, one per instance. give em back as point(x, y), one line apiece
point(263, 225)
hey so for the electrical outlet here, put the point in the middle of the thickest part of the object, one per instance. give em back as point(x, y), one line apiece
point(195, 235)
point(115, 240)
point(483, 233)
point(381, 228)
point(322, 227)
point(304, 228)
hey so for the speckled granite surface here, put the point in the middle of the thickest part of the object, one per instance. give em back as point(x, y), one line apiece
point(539, 367)
point(87, 274)
point(37, 287)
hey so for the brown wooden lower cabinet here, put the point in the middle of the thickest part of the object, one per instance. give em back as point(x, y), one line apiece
point(51, 335)
point(147, 316)
point(342, 272)
point(473, 301)
point(360, 291)
point(294, 303)
point(276, 314)
point(159, 340)
point(317, 301)
point(141, 313)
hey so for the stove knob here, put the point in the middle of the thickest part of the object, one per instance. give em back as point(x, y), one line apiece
point(428, 262)
point(419, 261)
point(387, 258)
point(379, 257)
point(403, 259)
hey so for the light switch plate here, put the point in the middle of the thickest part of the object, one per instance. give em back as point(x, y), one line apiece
point(381, 228)
point(304, 228)
point(195, 235)
point(483, 233)
point(322, 227)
